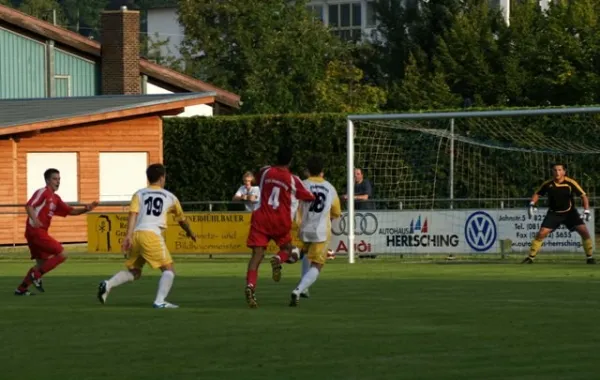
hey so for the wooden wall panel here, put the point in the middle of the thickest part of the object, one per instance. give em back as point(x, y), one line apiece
point(142, 134)
point(7, 195)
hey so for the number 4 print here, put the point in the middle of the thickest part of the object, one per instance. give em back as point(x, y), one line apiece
point(274, 198)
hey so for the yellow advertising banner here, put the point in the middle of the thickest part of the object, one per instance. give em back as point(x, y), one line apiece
point(217, 233)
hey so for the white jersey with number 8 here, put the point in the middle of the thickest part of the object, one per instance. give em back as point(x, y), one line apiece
point(315, 217)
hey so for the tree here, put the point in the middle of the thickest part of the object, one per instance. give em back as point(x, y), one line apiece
point(43, 9)
point(422, 90)
point(343, 90)
point(83, 16)
point(471, 53)
point(274, 53)
point(157, 50)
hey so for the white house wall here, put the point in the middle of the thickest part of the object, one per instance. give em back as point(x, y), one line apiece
point(164, 22)
point(199, 110)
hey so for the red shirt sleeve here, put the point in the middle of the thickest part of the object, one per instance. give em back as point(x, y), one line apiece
point(302, 193)
point(38, 197)
point(62, 209)
point(261, 172)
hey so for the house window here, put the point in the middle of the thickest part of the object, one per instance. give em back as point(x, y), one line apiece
point(316, 10)
point(345, 21)
point(66, 163)
point(121, 175)
point(62, 86)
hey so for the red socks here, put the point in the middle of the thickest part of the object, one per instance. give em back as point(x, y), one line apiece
point(52, 263)
point(251, 277)
point(283, 256)
point(26, 281)
point(47, 266)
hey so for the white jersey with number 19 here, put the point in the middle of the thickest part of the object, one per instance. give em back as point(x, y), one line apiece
point(315, 217)
point(152, 205)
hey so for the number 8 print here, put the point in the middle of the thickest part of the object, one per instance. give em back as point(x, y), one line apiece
point(318, 205)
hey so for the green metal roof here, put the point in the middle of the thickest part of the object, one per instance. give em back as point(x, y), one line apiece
point(14, 112)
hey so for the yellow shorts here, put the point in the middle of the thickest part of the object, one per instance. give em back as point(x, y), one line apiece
point(317, 252)
point(148, 247)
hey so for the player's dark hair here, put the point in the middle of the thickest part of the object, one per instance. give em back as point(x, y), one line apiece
point(49, 173)
point(564, 166)
point(155, 172)
point(315, 165)
point(284, 155)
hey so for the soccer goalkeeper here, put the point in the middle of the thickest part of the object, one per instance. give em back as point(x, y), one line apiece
point(561, 210)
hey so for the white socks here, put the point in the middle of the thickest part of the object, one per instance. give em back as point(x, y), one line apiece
point(305, 265)
point(164, 286)
point(119, 279)
point(307, 280)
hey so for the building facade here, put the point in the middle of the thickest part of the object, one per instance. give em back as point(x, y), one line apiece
point(38, 59)
point(100, 144)
point(351, 20)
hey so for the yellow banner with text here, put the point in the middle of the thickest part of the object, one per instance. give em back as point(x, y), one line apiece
point(217, 233)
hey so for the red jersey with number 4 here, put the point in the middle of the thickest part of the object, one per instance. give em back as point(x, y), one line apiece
point(277, 186)
point(46, 204)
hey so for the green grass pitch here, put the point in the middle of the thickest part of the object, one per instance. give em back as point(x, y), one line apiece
point(376, 319)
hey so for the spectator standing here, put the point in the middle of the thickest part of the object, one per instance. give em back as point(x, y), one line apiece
point(363, 192)
point(248, 193)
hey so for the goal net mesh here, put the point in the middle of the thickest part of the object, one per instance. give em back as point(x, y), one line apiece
point(461, 185)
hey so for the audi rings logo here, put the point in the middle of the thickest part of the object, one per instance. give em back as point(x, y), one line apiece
point(364, 224)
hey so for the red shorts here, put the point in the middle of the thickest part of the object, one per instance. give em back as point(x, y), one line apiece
point(41, 245)
point(259, 238)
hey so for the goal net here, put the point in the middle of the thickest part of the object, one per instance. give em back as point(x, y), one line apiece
point(457, 184)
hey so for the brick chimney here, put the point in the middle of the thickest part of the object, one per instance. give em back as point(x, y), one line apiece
point(120, 52)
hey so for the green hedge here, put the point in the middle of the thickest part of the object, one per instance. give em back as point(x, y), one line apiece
point(206, 157)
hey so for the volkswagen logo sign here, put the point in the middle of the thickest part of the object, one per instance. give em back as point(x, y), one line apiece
point(480, 231)
point(364, 224)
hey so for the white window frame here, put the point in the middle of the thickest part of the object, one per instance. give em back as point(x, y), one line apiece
point(69, 86)
point(351, 28)
point(118, 181)
point(67, 163)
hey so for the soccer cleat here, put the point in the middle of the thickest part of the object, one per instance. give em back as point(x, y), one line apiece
point(23, 293)
point(37, 282)
point(590, 260)
point(251, 297)
point(294, 299)
point(102, 292)
point(527, 260)
point(165, 305)
point(305, 294)
point(276, 267)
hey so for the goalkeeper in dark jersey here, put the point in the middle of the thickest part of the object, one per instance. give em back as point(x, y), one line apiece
point(561, 191)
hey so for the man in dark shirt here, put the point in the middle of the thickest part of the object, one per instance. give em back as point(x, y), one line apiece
point(561, 191)
point(363, 191)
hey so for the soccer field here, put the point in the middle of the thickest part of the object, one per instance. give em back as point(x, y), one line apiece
point(372, 320)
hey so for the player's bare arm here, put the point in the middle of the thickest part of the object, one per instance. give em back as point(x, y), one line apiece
point(82, 210)
point(131, 222)
point(185, 225)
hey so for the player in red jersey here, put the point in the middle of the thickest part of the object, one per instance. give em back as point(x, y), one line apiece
point(272, 220)
point(47, 252)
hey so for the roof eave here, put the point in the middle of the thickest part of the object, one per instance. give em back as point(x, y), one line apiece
point(167, 108)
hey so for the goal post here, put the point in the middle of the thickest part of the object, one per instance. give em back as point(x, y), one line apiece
point(454, 172)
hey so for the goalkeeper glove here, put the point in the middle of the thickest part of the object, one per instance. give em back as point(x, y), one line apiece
point(531, 210)
point(586, 215)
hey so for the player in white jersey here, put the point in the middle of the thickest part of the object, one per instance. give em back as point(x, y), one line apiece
point(315, 224)
point(144, 242)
